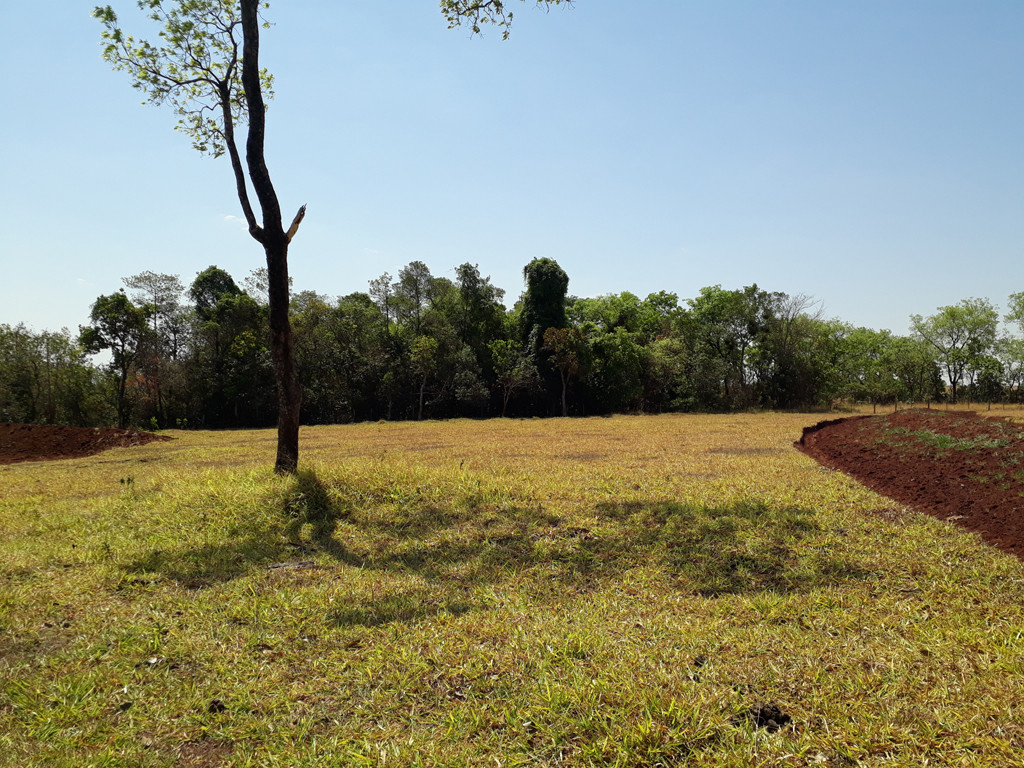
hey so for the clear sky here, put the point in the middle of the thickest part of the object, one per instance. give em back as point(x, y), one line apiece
point(869, 154)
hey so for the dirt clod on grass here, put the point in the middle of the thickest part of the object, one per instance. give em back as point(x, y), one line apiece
point(38, 442)
point(956, 466)
point(765, 715)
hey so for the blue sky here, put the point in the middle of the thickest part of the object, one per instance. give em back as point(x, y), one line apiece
point(869, 154)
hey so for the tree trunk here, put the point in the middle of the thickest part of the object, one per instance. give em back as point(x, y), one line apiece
point(122, 399)
point(272, 237)
point(289, 396)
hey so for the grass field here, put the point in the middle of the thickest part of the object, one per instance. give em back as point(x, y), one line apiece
point(630, 591)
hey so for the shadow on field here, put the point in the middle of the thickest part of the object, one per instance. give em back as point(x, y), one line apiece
point(736, 549)
point(310, 503)
point(306, 508)
point(201, 567)
point(475, 541)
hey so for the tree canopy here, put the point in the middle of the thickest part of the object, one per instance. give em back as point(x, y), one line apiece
point(467, 356)
point(963, 335)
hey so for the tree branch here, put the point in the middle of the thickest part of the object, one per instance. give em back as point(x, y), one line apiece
point(236, 167)
point(254, 145)
point(296, 221)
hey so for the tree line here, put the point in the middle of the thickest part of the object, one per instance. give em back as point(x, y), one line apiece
point(418, 346)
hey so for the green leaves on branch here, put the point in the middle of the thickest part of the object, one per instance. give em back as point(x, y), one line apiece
point(196, 67)
point(474, 13)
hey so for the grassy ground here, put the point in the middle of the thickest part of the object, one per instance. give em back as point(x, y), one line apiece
point(629, 591)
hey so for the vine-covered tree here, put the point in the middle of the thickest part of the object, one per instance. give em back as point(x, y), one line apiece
point(544, 300)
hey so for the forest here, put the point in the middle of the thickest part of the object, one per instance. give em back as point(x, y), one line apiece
point(160, 354)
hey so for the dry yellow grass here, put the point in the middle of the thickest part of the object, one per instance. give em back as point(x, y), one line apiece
point(600, 592)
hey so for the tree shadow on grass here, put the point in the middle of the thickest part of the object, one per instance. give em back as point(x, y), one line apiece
point(406, 606)
point(199, 567)
point(734, 549)
point(452, 550)
point(307, 510)
point(739, 549)
point(309, 504)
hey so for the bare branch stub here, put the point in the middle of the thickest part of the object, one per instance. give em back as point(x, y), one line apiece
point(296, 221)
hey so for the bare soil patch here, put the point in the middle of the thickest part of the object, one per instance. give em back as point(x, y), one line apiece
point(39, 442)
point(958, 466)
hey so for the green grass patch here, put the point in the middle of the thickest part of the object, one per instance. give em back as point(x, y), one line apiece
point(609, 592)
point(942, 443)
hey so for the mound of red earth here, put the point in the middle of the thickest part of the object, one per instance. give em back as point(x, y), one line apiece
point(38, 442)
point(956, 466)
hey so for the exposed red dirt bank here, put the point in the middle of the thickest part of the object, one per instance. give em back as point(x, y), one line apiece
point(955, 466)
point(37, 442)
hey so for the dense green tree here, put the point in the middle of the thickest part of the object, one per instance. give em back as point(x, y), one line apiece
point(411, 295)
point(318, 354)
point(22, 388)
point(868, 370)
point(912, 361)
point(120, 327)
point(543, 301)
point(1009, 350)
point(236, 364)
point(986, 379)
point(724, 327)
point(614, 379)
point(1015, 313)
point(423, 356)
point(209, 287)
point(648, 319)
point(44, 378)
point(666, 375)
point(569, 354)
point(465, 385)
point(479, 315)
point(514, 370)
point(662, 308)
point(961, 335)
point(799, 360)
point(363, 342)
